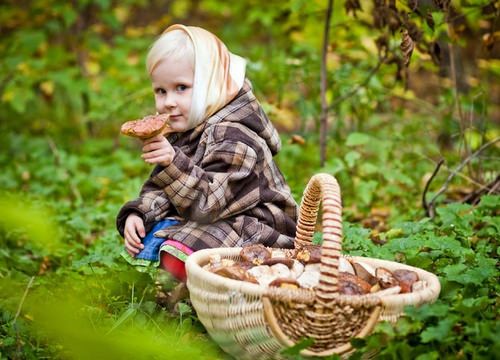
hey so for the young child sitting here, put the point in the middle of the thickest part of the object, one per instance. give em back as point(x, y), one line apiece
point(215, 183)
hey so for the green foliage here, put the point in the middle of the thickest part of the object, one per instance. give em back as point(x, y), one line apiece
point(461, 249)
point(71, 73)
point(61, 64)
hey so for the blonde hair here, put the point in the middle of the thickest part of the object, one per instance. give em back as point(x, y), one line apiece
point(174, 44)
point(218, 74)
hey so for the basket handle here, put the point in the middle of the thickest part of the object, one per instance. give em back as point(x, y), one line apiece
point(323, 188)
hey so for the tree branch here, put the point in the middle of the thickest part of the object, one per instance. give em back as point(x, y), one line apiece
point(429, 210)
point(459, 167)
point(460, 175)
point(323, 125)
point(490, 188)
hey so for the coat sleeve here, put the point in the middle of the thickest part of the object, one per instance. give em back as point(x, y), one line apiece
point(152, 205)
point(225, 183)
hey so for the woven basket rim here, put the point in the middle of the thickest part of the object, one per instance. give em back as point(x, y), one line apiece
point(196, 261)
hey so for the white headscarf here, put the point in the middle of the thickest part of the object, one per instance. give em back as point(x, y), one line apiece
point(218, 73)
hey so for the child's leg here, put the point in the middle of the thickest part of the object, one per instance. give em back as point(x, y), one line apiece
point(173, 256)
point(149, 255)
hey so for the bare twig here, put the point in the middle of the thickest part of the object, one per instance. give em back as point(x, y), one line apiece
point(323, 85)
point(429, 211)
point(488, 189)
point(21, 303)
point(361, 85)
point(495, 187)
point(459, 174)
point(424, 107)
point(55, 151)
point(459, 167)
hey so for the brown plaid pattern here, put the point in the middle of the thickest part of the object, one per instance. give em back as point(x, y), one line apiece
point(223, 183)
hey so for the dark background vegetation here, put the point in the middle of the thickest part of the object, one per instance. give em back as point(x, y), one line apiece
point(400, 101)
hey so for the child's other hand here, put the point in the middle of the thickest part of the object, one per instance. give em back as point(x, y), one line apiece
point(157, 150)
point(133, 232)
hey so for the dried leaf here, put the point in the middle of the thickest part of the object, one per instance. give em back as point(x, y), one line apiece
point(352, 6)
point(490, 39)
point(297, 139)
point(407, 46)
point(430, 20)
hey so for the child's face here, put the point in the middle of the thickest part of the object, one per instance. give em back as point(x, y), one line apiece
point(173, 86)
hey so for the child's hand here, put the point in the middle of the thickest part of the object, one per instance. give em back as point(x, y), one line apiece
point(157, 150)
point(133, 232)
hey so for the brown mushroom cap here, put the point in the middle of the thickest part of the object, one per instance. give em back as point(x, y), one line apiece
point(234, 272)
point(350, 284)
point(406, 279)
point(309, 254)
point(255, 254)
point(385, 278)
point(287, 283)
point(273, 261)
point(364, 274)
point(146, 127)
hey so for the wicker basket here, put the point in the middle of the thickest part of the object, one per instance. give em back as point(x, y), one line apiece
point(249, 321)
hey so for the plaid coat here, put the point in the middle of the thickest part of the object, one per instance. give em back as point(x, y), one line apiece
point(222, 183)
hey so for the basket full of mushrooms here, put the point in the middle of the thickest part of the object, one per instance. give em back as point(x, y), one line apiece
point(256, 301)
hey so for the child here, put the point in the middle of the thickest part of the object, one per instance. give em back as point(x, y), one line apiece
point(215, 183)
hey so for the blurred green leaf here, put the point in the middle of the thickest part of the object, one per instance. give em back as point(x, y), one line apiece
point(355, 139)
point(439, 332)
point(18, 213)
point(351, 157)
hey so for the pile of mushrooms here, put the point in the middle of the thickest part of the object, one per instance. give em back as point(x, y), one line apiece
point(300, 268)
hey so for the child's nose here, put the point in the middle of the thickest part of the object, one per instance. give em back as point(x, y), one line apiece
point(169, 100)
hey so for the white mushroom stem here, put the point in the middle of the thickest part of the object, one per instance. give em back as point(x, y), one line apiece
point(308, 279)
point(367, 267)
point(345, 266)
point(297, 269)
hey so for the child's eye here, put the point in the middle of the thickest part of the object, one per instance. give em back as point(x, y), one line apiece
point(181, 88)
point(160, 91)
